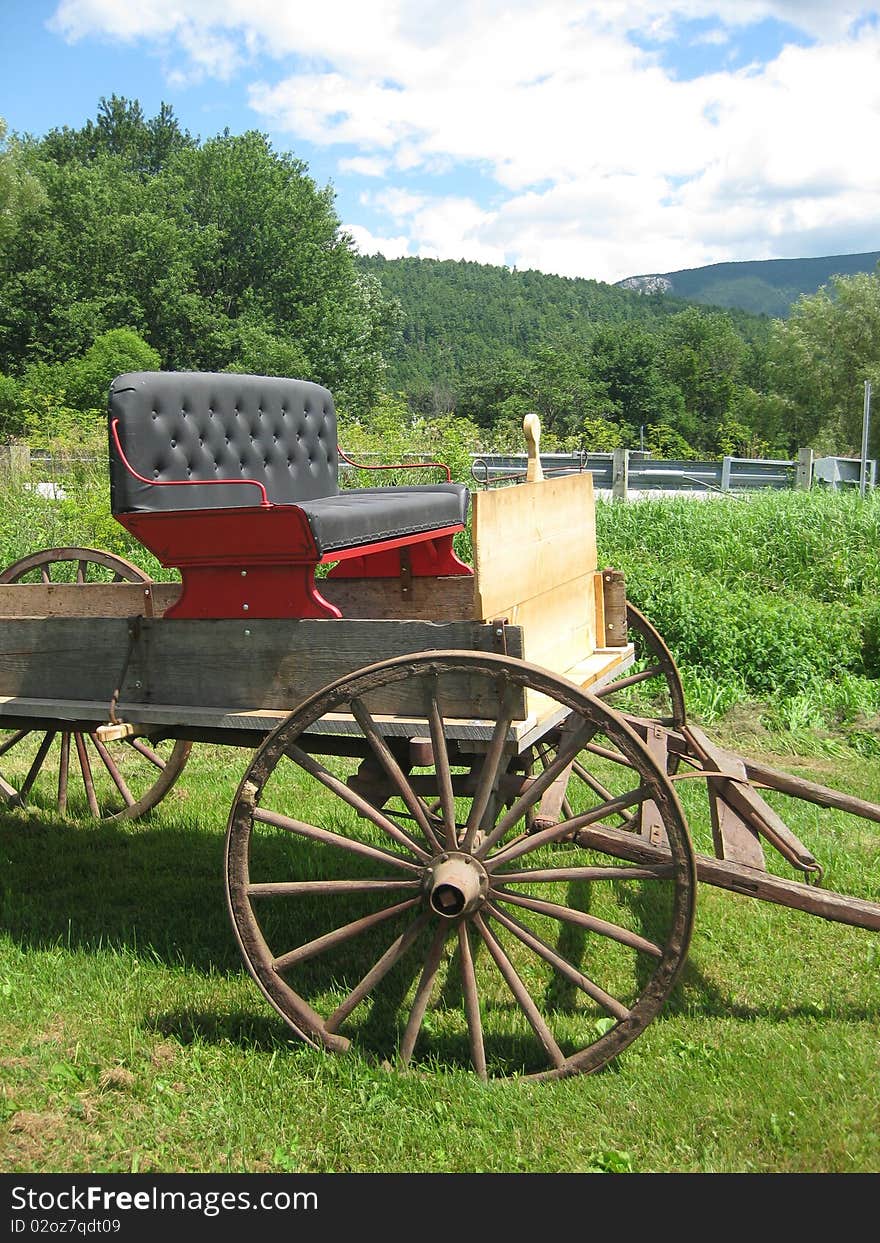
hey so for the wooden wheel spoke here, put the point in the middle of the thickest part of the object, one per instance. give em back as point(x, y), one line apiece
point(376, 974)
point(605, 753)
point(86, 770)
point(320, 945)
point(81, 570)
point(317, 888)
point(441, 765)
point(490, 771)
point(364, 808)
point(537, 876)
point(39, 759)
point(535, 841)
point(332, 839)
point(569, 747)
point(393, 771)
point(423, 994)
point(45, 575)
point(141, 747)
point(471, 1001)
point(562, 965)
point(115, 775)
point(595, 785)
point(63, 772)
point(14, 740)
point(582, 919)
point(514, 983)
point(644, 675)
point(587, 777)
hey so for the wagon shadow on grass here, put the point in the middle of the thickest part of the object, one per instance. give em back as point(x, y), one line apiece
point(156, 891)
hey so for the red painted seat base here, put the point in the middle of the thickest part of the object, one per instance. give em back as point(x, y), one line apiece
point(254, 561)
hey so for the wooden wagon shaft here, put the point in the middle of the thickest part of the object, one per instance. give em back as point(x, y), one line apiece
point(723, 874)
point(744, 798)
point(774, 779)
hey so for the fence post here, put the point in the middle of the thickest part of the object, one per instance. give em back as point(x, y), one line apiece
point(619, 474)
point(725, 473)
point(15, 462)
point(803, 479)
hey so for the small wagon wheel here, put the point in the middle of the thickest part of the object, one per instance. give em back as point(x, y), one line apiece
point(367, 917)
point(73, 564)
point(656, 674)
point(74, 770)
point(657, 683)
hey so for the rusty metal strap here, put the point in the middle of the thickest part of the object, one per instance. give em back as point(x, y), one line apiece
point(134, 634)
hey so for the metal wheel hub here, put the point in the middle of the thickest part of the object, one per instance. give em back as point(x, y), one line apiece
point(455, 884)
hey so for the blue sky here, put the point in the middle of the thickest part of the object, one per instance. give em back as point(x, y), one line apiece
point(600, 139)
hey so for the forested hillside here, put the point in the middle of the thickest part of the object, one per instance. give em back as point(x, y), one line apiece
point(458, 316)
point(762, 286)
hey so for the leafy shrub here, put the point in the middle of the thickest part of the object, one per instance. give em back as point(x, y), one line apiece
point(774, 596)
point(111, 354)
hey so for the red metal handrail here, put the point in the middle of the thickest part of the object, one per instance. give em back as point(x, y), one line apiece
point(400, 466)
point(183, 483)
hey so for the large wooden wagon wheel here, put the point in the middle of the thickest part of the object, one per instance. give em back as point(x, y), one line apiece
point(464, 934)
point(76, 770)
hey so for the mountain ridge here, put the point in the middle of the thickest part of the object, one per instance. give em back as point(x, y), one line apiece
point(760, 286)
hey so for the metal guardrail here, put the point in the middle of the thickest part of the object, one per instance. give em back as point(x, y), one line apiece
point(486, 468)
point(844, 470)
point(620, 472)
point(625, 471)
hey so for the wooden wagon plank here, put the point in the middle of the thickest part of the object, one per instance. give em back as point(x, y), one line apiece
point(423, 599)
point(530, 539)
point(87, 599)
point(263, 663)
point(472, 732)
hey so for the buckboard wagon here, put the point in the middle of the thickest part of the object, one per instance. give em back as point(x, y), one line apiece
point(448, 843)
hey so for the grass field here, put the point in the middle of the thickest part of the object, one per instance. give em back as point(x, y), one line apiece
point(132, 1039)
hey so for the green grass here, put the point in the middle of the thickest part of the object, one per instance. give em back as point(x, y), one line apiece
point(770, 597)
point(132, 1038)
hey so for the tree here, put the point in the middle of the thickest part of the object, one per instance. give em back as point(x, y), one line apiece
point(704, 357)
point(825, 351)
point(121, 129)
point(628, 362)
point(19, 190)
point(111, 354)
point(221, 255)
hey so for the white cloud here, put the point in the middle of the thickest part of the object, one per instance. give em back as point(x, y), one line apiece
point(364, 166)
point(370, 244)
point(603, 163)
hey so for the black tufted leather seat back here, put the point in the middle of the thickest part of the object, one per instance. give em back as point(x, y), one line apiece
point(201, 426)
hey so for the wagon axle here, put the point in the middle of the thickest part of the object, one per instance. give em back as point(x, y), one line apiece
point(456, 884)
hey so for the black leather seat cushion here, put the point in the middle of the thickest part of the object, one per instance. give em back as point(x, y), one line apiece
point(191, 426)
point(358, 516)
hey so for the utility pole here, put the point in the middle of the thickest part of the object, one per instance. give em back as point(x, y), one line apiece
point(866, 422)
